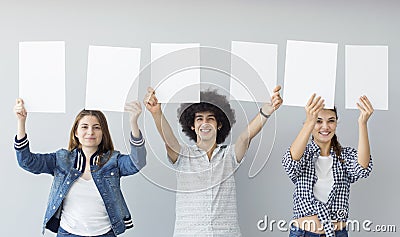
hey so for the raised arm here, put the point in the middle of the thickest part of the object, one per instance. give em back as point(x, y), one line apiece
point(366, 111)
point(20, 112)
point(34, 163)
point(255, 126)
point(164, 129)
point(135, 109)
point(313, 107)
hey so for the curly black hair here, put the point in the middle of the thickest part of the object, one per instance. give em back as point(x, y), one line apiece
point(213, 102)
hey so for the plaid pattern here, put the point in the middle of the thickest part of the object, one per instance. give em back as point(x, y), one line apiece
point(302, 174)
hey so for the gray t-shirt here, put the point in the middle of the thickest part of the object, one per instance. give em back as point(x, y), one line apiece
point(206, 196)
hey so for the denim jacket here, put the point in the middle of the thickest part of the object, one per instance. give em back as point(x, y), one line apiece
point(67, 166)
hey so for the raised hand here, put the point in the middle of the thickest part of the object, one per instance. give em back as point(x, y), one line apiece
point(164, 129)
point(20, 112)
point(151, 102)
point(276, 102)
point(313, 107)
point(135, 109)
point(365, 108)
point(19, 109)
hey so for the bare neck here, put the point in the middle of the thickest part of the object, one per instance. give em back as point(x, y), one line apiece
point(209, 147)
point(325, 149)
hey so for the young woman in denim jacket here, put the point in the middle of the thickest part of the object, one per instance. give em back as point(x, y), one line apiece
point(323, 170)
point(85, 197)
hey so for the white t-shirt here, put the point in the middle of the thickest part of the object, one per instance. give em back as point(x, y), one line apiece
point(84, 212)
point(324, 185)
point(206, 196)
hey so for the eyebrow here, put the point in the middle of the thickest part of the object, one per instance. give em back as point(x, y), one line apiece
point(200, 115)
point(328, 118)
point(96, 124)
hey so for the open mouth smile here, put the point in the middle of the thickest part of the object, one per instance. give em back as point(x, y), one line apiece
point(324, 133)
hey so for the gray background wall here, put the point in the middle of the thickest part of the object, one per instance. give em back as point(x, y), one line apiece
point(212, 23)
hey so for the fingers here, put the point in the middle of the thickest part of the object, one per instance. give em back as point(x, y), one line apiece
point(19, 108)
point(366, 103)
point(320, 105)
point(360, 107)
point(133, 106)
point(311, 100)
point(276, 98)
point(314, 106)
point(277, 88)
point(365, 108)
point(151, 101)
point(315, 103)
point(150, 98)
point(277, 103)
point(150, 92)
point(150, 89)
point(19, 101)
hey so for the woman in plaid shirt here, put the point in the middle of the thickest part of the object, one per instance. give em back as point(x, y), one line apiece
point(323, 170)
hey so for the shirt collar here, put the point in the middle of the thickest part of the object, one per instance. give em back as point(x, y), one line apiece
point(219, 146)
point(315, 149)
point(80, 160)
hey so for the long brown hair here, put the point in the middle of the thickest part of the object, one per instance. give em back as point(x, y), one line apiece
point(106, 144)
point(337, 148)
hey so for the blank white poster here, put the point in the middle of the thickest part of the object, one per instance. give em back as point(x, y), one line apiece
point(367, 74)
point(175, 72)
point(110, 75)
point(310, 68)
point(42, 76)
point(254, 71)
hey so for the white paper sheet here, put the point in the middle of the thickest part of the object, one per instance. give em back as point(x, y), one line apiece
point(169, 75)
point(42, 76)
point(310, 68)
point(110, 75)
point(254, 68)
point(367, 74)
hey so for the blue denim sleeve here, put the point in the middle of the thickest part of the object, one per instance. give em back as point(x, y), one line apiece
point(34, 163)
point(292, 167)
point(354, 170)
point(136, 160)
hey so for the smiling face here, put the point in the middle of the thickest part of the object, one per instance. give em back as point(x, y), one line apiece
point(205, 126)
point(89, 132)
point(325, 127)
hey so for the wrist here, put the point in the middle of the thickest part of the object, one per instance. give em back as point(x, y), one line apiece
point(134, 120)
point(156, 113)
point(309, 124)
point(264, 114)
point(362, 123)
point(21, 120)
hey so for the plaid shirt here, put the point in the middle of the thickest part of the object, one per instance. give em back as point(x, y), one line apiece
point(302, 174)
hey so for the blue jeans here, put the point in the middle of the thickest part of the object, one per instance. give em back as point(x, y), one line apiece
point(298, 232)
point(63, 233)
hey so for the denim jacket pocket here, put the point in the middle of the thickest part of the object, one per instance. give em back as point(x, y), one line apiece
point(111, 175)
